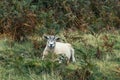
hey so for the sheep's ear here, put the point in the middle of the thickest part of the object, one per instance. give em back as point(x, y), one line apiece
point(46, 37)
point(57, 38)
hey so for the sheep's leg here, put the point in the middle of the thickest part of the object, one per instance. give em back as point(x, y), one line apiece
point(72, 55)
point(68, 61)
point(73, 59)
point(45, 52)
point(43, 57)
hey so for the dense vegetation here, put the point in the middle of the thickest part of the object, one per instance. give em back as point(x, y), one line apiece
point(91, 26)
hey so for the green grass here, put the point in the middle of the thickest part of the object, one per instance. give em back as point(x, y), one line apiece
point(21, 61)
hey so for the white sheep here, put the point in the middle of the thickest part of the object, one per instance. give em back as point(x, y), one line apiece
point(58, 48)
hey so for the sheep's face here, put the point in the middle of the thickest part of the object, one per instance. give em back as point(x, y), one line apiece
point(51, 41)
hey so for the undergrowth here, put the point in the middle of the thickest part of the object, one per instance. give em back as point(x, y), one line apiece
point(98, 58)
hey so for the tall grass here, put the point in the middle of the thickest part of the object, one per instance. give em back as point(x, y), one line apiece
point(18, 61)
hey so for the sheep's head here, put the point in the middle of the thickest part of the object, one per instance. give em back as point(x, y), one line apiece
point(51, 41)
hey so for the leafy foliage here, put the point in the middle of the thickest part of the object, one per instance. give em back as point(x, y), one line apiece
point(25, 59)
point(89, 25)
point(25, 17)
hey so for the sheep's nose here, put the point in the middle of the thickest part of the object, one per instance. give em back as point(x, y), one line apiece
point(50, 45)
